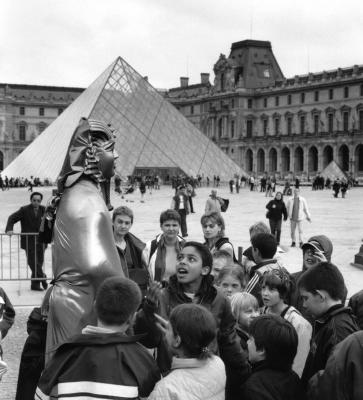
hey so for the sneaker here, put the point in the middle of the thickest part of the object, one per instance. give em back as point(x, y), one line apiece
point(293, 244)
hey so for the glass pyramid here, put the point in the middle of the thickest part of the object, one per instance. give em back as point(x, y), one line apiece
point(150, 132)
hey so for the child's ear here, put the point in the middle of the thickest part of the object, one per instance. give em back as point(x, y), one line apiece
point(206, 270)
point(176, 343)
point(321, 294)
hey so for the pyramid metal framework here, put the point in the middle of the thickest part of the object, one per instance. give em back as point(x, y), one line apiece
point(150, 132)
point(333, 171)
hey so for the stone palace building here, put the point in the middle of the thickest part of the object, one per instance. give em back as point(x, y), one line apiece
point(262, 120)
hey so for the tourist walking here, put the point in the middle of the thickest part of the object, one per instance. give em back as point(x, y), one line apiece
point(213, 204)
point(180, 203)
point(297, 210)
point(276, 211)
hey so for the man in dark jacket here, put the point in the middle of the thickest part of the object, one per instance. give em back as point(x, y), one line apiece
point(322, 289)
point(30, 218)
point(180, 203)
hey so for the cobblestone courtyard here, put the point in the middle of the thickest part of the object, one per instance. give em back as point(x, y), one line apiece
point(340, 219)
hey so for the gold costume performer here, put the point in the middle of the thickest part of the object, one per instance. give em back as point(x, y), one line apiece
point(84, 252)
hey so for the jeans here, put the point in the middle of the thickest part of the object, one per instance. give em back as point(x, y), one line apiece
point(298, 225)
point(275, 226)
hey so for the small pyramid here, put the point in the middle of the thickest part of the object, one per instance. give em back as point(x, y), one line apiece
point(150, 132)
point(333, 171)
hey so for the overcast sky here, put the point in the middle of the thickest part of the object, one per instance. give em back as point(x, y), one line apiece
point(70, 42)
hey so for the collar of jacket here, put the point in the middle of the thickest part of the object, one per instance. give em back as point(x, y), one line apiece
point(332, 312)
point(135, 241)
point(187, 363)
point(206, 293)
point(256, 267)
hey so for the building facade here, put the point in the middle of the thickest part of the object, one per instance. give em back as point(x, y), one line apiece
point(25, 111)
point(269, 124)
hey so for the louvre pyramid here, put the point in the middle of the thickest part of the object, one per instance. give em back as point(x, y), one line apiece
point(150, 132)
point(333, 171)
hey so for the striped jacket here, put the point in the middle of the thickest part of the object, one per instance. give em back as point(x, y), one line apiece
point(99, 366)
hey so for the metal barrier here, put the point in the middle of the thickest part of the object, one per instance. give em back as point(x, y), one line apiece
point(14, 260)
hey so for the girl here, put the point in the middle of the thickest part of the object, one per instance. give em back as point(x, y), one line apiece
point(245, 308)
point(195, 372)
point(193, 283)
point(276, 210)
point(276, 288)
point(231, 279)
point(213, 229)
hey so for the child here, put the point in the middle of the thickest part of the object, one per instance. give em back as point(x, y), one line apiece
point(221, 258)
point(103, 361)
point(245, 308)
point(7, 315)
point(232, 280)
point(271, 350)
point(195, 372)
point(322, 290)
point(276, 286)
point(194, 284)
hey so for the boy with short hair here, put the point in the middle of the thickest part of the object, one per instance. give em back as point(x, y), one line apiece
point(221, 259)
point(192, 283)
point(272, 347)
point(323, 290)
point(103, 361)
point(161, 253)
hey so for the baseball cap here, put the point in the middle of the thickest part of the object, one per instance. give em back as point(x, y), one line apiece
point(320, 243)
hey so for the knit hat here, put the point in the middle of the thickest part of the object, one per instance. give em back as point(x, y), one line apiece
point(320, 243)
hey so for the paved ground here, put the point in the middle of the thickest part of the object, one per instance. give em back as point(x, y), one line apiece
point(339, 219)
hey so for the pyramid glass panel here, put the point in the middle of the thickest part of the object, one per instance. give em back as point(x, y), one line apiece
point(150, 132)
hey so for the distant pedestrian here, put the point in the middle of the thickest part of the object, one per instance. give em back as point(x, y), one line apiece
point(142, 188)
point(180, 203)
point(213, 204)
point(276, 210)
point(336, 188)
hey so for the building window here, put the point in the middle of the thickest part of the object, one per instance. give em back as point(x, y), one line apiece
point(277, 101)
point(316, 123)
point(60, 110)
point(289, 125)
point(361, 89)
point(346, 92)
point(42, 126)
point(265, 125)
point(41, 111)
point(191, 110)
point(277, 126)
point(232, 103)
point(232, 129)
point(360, 115)
point(302, 98)
point(22, 110)
point(22, 133)
point(249, 103)
point(289, 99)
point(265, 102)
point(345, 121)
point(316, 95)
point(249, 128)
point(302, 124)
point(330, 122)
point(331, 94)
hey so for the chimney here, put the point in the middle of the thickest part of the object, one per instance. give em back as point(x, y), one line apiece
point(204, 78)
point(184, 81)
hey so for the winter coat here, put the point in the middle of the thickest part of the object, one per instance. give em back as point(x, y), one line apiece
point(356, 304)
point(276, 210)
point(192, 379)
point(100, 366)
point(342, 378)
point(270, 384)
point(303, 208)
point(329, 330)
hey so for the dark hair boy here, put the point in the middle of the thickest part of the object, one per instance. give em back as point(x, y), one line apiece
point(118, 364)
point(323, 292)
point(272, 348)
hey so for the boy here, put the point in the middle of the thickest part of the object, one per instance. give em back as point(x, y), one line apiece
point(103, 361)
point(161, 252)
point(221, 259)
point(264, 248)
point(323, 290)
point(272, 347)
point(193, 284)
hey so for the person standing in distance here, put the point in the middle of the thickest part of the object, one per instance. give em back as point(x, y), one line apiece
point(297, 209)
point(30, 217)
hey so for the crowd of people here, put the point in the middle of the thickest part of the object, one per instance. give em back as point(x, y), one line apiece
point(175, 318)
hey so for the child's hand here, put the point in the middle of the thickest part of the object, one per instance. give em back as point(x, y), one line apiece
point(319, 256)
point(154, 292)
point(161, 323)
